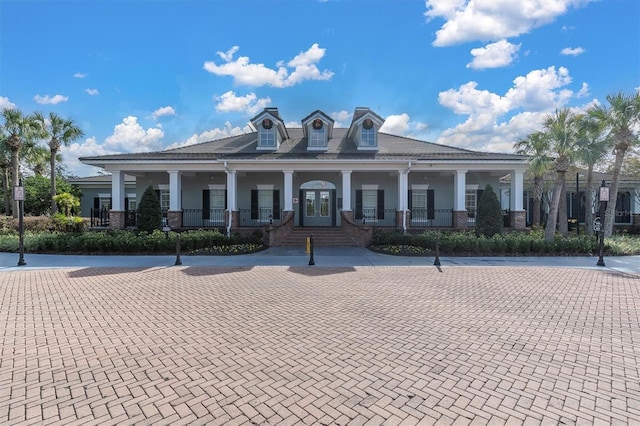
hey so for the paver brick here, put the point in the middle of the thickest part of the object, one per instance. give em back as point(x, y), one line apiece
point(274, 345)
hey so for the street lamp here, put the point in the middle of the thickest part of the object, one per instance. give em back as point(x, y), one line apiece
point(578, 204)
point(603, 198)
point(18, 195)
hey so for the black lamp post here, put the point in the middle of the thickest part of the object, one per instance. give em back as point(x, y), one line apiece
point(578, 204)
point(18, 195)
point(604, 198)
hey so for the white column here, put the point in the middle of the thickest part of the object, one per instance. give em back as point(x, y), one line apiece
point(288, 190)
point(117, 191)
point(516, 190)
point(459, 189)
point(175, 190)
point(346, 190)
point(403, 186)
point(231, 190)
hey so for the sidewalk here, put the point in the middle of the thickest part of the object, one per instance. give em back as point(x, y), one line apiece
point(323, 257)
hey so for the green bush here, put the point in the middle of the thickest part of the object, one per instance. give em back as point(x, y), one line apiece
point(489, 214)
point(149, 214)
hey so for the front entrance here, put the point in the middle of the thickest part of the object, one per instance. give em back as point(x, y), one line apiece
point(317, 207)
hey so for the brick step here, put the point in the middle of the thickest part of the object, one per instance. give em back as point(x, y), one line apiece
point(321, 237)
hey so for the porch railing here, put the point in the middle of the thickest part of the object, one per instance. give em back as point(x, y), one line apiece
point(371, 217)
point(197, 218)
point(440, 218)
point(99, 218)
point(258, 217)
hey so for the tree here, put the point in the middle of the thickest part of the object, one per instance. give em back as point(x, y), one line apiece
point(149, 214)
point(20, 130)
point(59, 132)
point(5, 172)
point(68, 202)
point(536, 146)
point(592, 147)
point(37, 191)
point(621, 119)
point(489, 215)
point(561, 129)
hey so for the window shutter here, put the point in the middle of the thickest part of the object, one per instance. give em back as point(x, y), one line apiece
point(96, 203)
point(301, 208)
point(110, 203)
point(226, 205)
point(206, 204)
point(254, 204)
point(358, 214)
point(410, 200)
point(431, 212)
point(478, 196)
point(158, 193)
point(380, 203)
point(126, 203)
point(276, 204)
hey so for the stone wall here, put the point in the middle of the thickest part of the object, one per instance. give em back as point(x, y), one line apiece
point(275, 234)
point(460, 219)
point(518, 219)
point(117, 219)
point(174, 219)
point(362, 234)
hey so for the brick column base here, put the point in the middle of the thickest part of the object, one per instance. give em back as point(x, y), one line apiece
point(460, 219)
point(518, 219)
point(399, 215)
point(117, 219)
point(174, 219)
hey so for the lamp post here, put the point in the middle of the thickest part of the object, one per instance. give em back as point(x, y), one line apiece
point(577, 204)
point(604, 198)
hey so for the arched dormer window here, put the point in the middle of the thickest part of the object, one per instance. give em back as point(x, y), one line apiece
point(267, 135)
point(364, 129)
point(270, 129)
point(317, 135)
point(317, 129)
point(368, 134)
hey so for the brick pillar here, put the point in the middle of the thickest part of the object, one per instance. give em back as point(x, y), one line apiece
point(518, 219)
point(235, 219)
point(174, 219)
point(399, 216)
point(460, 219)
point(117, 219)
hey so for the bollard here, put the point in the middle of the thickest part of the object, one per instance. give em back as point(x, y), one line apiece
point(311, 261)
point(178, 260)
point(436, 262)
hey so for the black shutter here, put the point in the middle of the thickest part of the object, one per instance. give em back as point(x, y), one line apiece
point(225, 200)
point(410, 202)
point(335, 209)
point(431, 212)
point(126, 203)
point(478, 196)
point(380, 203)
point(301, 205)
point(110, 203)
point(276, 204)
point(358, 204)
point(254, 204)
point(96, 203)
point(158, 193)
point(206, 204)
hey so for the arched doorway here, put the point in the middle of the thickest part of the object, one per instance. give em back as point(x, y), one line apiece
point(318, 203)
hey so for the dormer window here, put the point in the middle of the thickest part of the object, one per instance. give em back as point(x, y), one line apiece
point(270, 129)
point(317, 128)
point(364, 129)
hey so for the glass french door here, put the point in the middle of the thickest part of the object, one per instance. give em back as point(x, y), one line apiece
point(317, 207)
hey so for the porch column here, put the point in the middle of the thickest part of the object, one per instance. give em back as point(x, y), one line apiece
point(346, 190)
point(117, 213)
point(117, 191)
point(231, 190)
point(403, 201)
point(175, 190)
point(517, 215)
point(460, 220)
point(288, 190)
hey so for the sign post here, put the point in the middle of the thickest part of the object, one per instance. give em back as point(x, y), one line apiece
point(604, 198)
point(18, 195)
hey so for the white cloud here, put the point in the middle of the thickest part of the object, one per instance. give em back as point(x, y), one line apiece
point(129, 136)
point(213, 134)
point(248, 104)
point(160, 112)
point(6, 103)
point(50, 100)
point(92, 92)
point(584, 91)
point(342, 118)
point(572, 51)
point(402, 125)
point(245, 73)
point(80, 75)
point(89, 148)
point(494, 122)
point(469, 20)
point(494, 55)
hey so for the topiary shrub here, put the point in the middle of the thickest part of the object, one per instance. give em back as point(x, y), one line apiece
point(489, 215)
point(149, 214)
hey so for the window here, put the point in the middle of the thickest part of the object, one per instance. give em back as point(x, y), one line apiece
point(265, 204)
point(105, 203)
point(164, 199)
point(368, 137)
point(471, 204)
point(217, 199)
point(268, 137)
point(317, 137)
point(419, 205)
point(132, 203)
point(369, 204)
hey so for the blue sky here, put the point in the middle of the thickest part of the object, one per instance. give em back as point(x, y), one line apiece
point(149, 75)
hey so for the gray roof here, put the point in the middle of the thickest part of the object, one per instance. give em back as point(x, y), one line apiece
point(295, 148)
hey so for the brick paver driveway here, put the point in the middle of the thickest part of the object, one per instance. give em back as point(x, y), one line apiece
point(278, 345)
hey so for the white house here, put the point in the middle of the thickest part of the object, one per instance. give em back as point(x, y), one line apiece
point(317, 176)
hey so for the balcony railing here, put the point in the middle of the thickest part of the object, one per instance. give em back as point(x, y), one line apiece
point(197, 218)
point(260, 217)
point(436, 218)
point(99, 218)
point(371, 217)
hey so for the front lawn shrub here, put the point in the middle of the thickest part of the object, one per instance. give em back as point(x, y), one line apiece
point(489, 214)
point(149, 215)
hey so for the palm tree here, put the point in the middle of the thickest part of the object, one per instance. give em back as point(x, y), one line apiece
point(5, 169)
point(592, 147)
point(561, 129)
point(59, 132)
point(20, 129)
point(620, 119)
point(536, 146)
